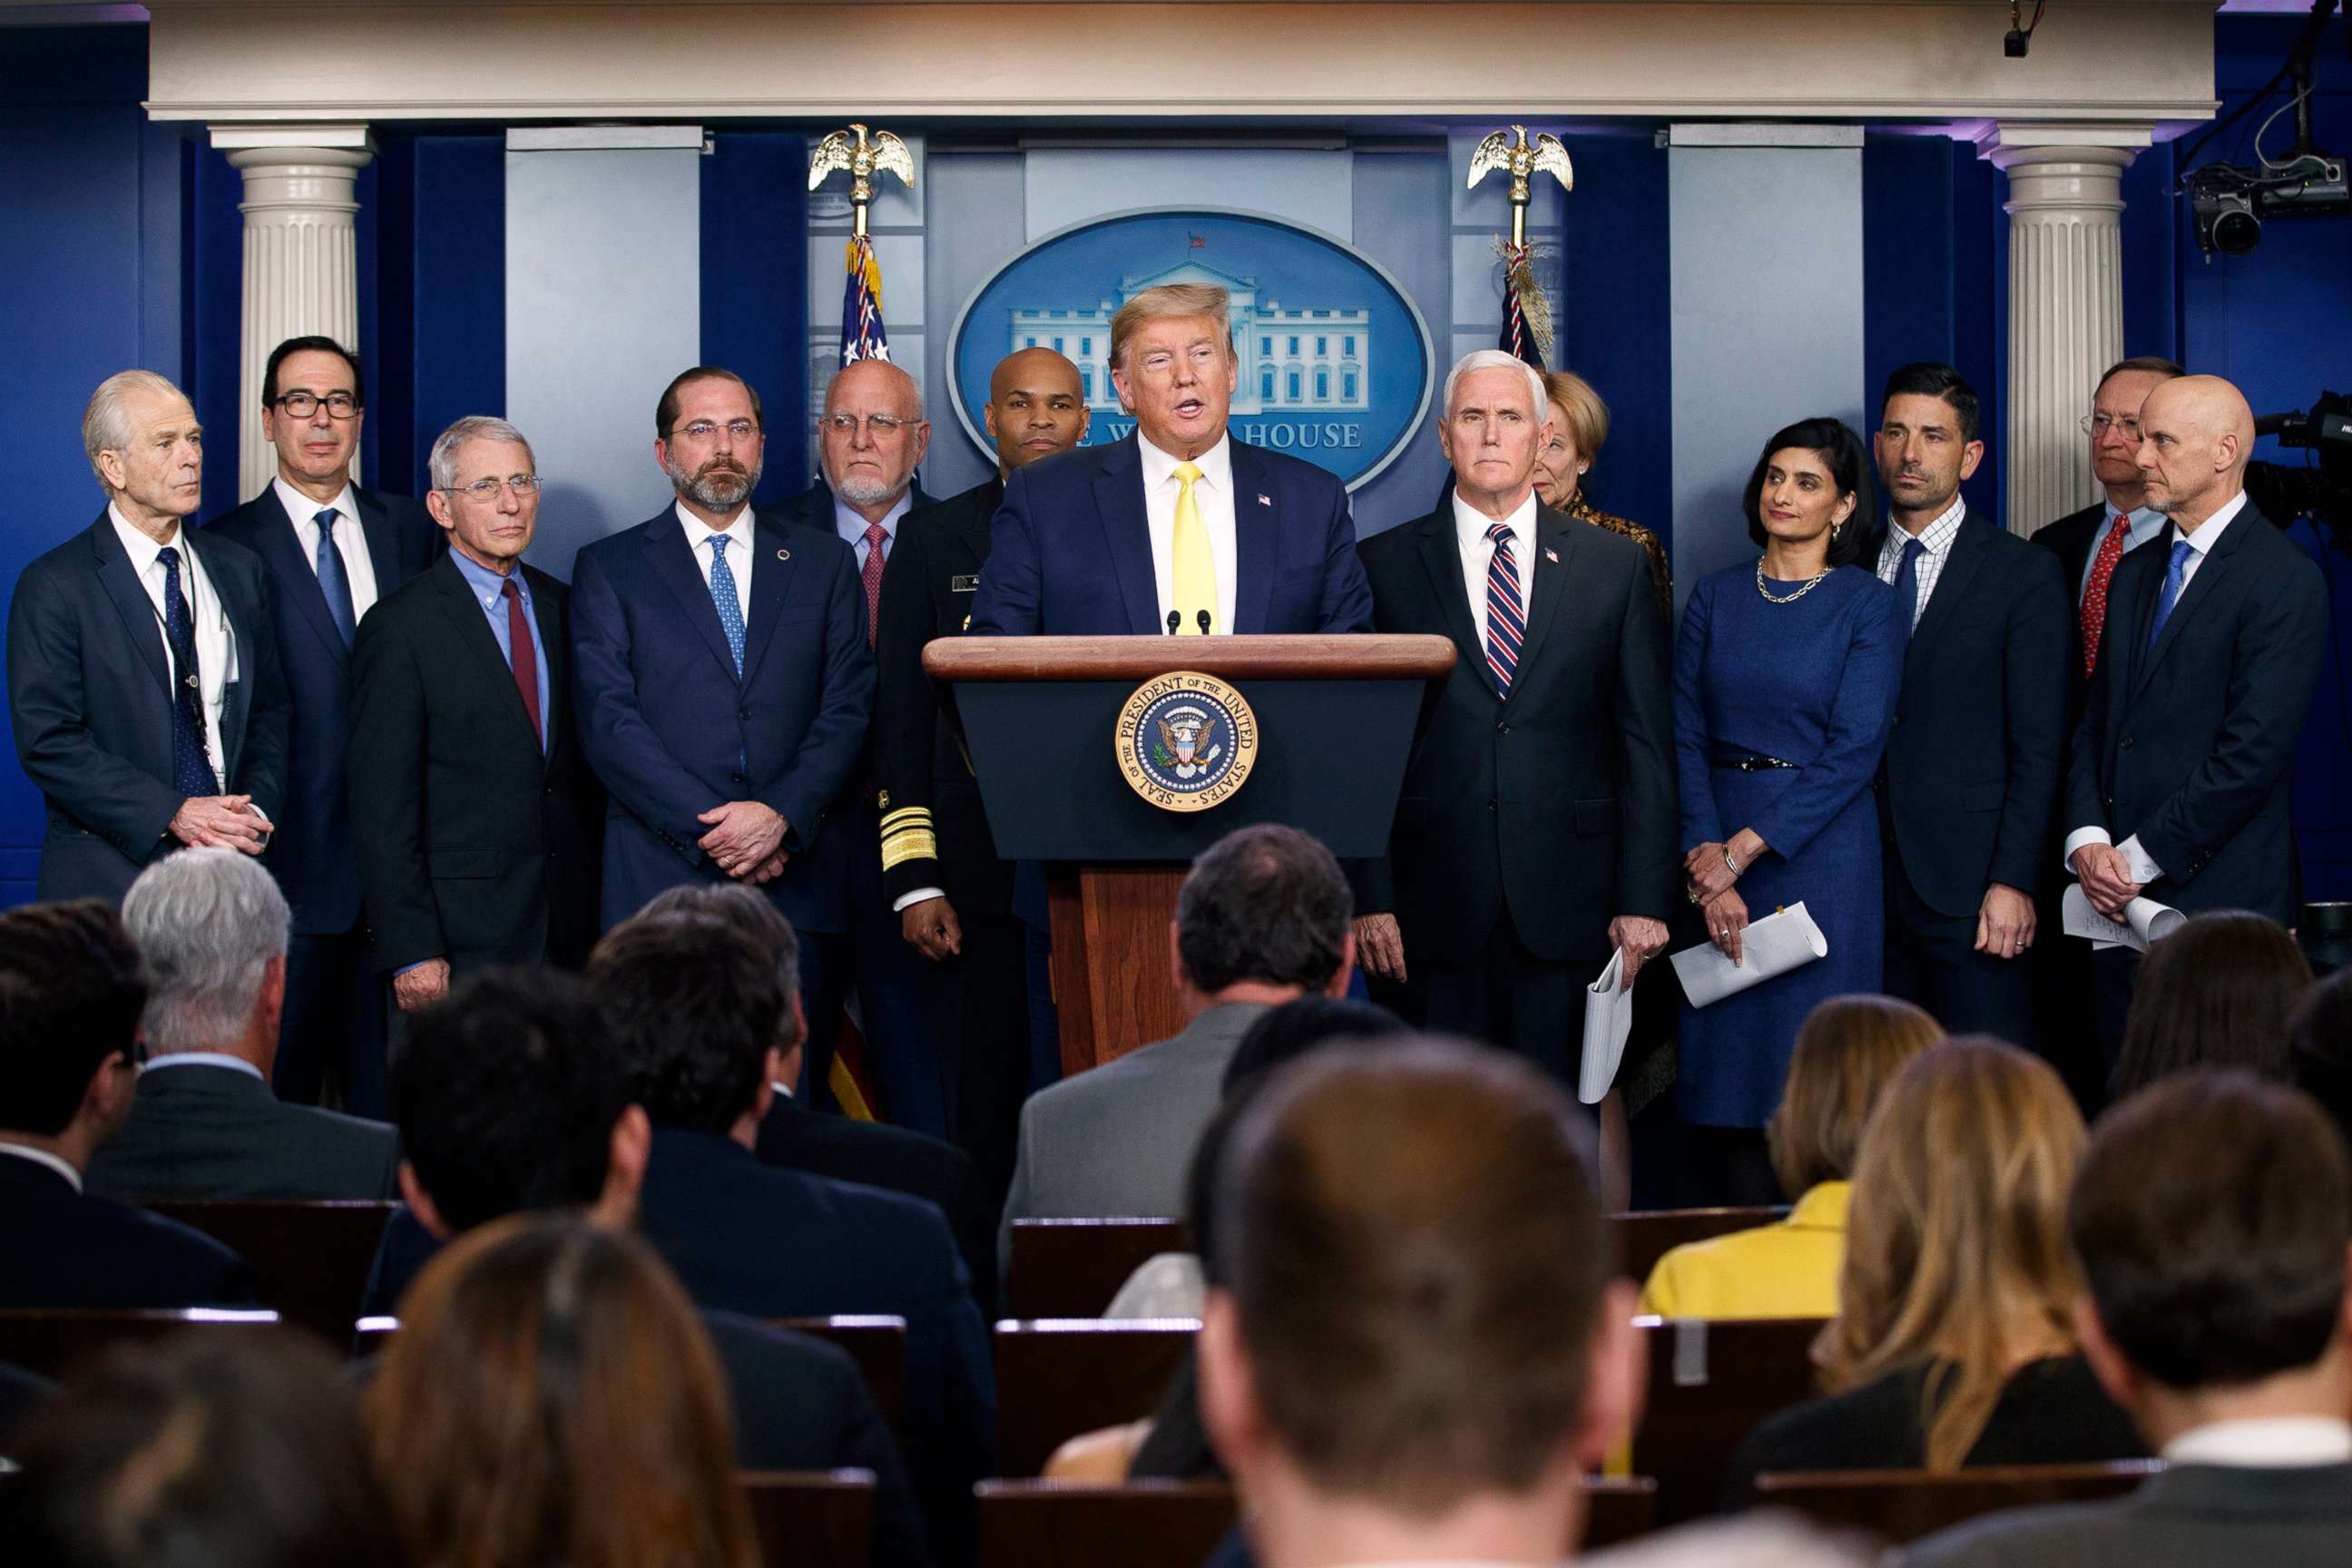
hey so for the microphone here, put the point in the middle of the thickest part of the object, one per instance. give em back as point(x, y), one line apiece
point(1205, 623)
point(1175, 619)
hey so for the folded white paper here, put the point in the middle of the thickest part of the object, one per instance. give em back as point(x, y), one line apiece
point(2144, 920)
point(1608, 1019)
point(1785, 939)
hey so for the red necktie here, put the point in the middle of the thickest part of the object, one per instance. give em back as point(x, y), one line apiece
point(871, 575)
point(2094, 593)
point(520, 655)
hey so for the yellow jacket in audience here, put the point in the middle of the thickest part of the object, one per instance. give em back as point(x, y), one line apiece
point(1787, 1270)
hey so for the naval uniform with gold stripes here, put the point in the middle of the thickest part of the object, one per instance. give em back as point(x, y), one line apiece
point(935, 837)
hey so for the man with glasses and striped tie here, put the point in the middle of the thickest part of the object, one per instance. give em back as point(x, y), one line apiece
point(333, 548)
point(471, 807)
point(1536, 833)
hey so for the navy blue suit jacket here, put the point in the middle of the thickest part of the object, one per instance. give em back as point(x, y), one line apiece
point(90, 693)
point(748, 1237)
point(672, 731)
point(312, 851)
point(1071, 549)
point(2190, 743)
point(61, 1248)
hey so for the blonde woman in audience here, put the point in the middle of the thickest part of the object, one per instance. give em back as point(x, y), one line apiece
point(1954, 1342)
point(551, 1399)
point(1848, 1050)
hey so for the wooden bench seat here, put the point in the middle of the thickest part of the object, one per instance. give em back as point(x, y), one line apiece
point(1709, 1385)
point(309, 1261)
point(48, 1340)
point(1900, 1506)
point(1058, 1378)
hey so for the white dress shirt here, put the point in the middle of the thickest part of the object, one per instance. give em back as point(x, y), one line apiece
point(1470, 526)
point(1213, 492)
point(2141, 524)
point(350, 540)
point(43, 1157)
point(215, 648)
point(1936, 549)
point(741, 546)
point(2138, 863)
point(203, 1060)
point(2274, 1442)
point(851, 524)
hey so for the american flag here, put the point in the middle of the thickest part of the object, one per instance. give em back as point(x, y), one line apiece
point(1515, 339)
point(862, 335)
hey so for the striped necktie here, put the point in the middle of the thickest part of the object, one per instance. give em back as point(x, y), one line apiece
point(1506, 615)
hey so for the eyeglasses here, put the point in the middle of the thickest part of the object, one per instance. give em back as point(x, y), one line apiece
point(704, 429)
point(2106, 423)
point(302, 405)
point(488, 490)
point(876, 424)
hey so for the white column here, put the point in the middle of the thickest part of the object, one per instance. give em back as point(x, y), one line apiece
point(301, 256)
point(2065, 300)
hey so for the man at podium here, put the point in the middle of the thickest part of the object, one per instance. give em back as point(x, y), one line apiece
point(1178, 528)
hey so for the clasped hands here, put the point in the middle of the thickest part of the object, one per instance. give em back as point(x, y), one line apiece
point(220, 822)
point(1709, 871)
point(746, 840)
point(2106, 878)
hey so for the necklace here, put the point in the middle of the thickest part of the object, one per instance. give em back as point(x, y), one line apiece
point(1771, 598)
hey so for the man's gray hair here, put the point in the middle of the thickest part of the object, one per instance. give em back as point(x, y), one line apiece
point(472, 427)
point(1495, 359)
point(105, 427)
point(207, 921)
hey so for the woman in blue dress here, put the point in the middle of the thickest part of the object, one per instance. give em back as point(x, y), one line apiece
point(1785, 681)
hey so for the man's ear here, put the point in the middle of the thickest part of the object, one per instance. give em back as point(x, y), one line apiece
point(1230, 1412)
point(2122, 1380)
point(1617, 1371)
point(627, 1152)
point(1339, 977)
point(789, 1059)
point(106, 1098)
point(420, 1204)
point(1175, 956)
point(771, 1068)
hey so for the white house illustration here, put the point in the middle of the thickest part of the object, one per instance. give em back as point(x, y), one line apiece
point(1291, 361)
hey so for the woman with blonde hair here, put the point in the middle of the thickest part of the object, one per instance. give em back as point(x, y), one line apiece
point(1954, 1341)
point(551, 1398)
point(1849, 1050)
point(1580, 425)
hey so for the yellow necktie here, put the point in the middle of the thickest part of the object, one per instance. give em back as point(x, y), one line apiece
point(1195, 571)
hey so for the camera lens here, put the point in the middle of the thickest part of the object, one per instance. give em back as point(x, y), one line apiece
point(2237, 232)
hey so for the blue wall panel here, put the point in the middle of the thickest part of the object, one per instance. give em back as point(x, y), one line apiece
point(455, 256)
point(1614, 312)
point(755, 288)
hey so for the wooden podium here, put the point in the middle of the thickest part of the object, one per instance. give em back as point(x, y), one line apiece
point(1336, 717)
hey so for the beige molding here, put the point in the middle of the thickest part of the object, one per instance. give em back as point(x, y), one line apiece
point(506, 61)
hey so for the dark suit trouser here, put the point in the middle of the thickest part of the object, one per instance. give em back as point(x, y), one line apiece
point(1506, 996)
point(332, 1029)
point(825, 973)
point(2113, 975)
point(900, 1050)
point(2065, 1016)
point(1931, 960)
point(978, 1003)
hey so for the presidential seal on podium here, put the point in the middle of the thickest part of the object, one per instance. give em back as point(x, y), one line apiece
point(1186, 741)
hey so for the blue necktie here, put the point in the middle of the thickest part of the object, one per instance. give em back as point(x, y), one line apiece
point(2176, 574)
point(1507, 617)
point(1907, 584)
point(192, 768)
point(333, 580)
point(722, 594)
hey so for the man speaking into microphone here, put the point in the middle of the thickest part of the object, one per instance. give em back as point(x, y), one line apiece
point(1178, 527)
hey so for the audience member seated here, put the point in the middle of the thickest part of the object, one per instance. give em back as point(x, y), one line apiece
point(698, 1018)
point(72, 990)
point(2320, 1042)
point(510, 1097)
point(1261, 918)
point(793, 1135)
point(1169, 1444)
point(550, 1398)
point(1848, 1049)
point(1414, 1353)
point(199, 1451)
point(2214, 993)
point(1954, 1342)
point(211, 926)
point(2216, 1315)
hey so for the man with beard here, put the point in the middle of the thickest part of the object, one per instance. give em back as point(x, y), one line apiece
point(951, 894)
point(724, 684)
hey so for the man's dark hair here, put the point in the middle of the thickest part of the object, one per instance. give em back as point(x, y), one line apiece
point(749, 911)
point(505, 1093)
point(1265, 903)
point(2226, 1267)
point(1842, 451)
point(665, 409)
point(2153, 365)
point(1932, 378)
point(310, 345)
point(2319, 1037)
point(199, 1450)
point(72, 990)
point(694, 1007)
